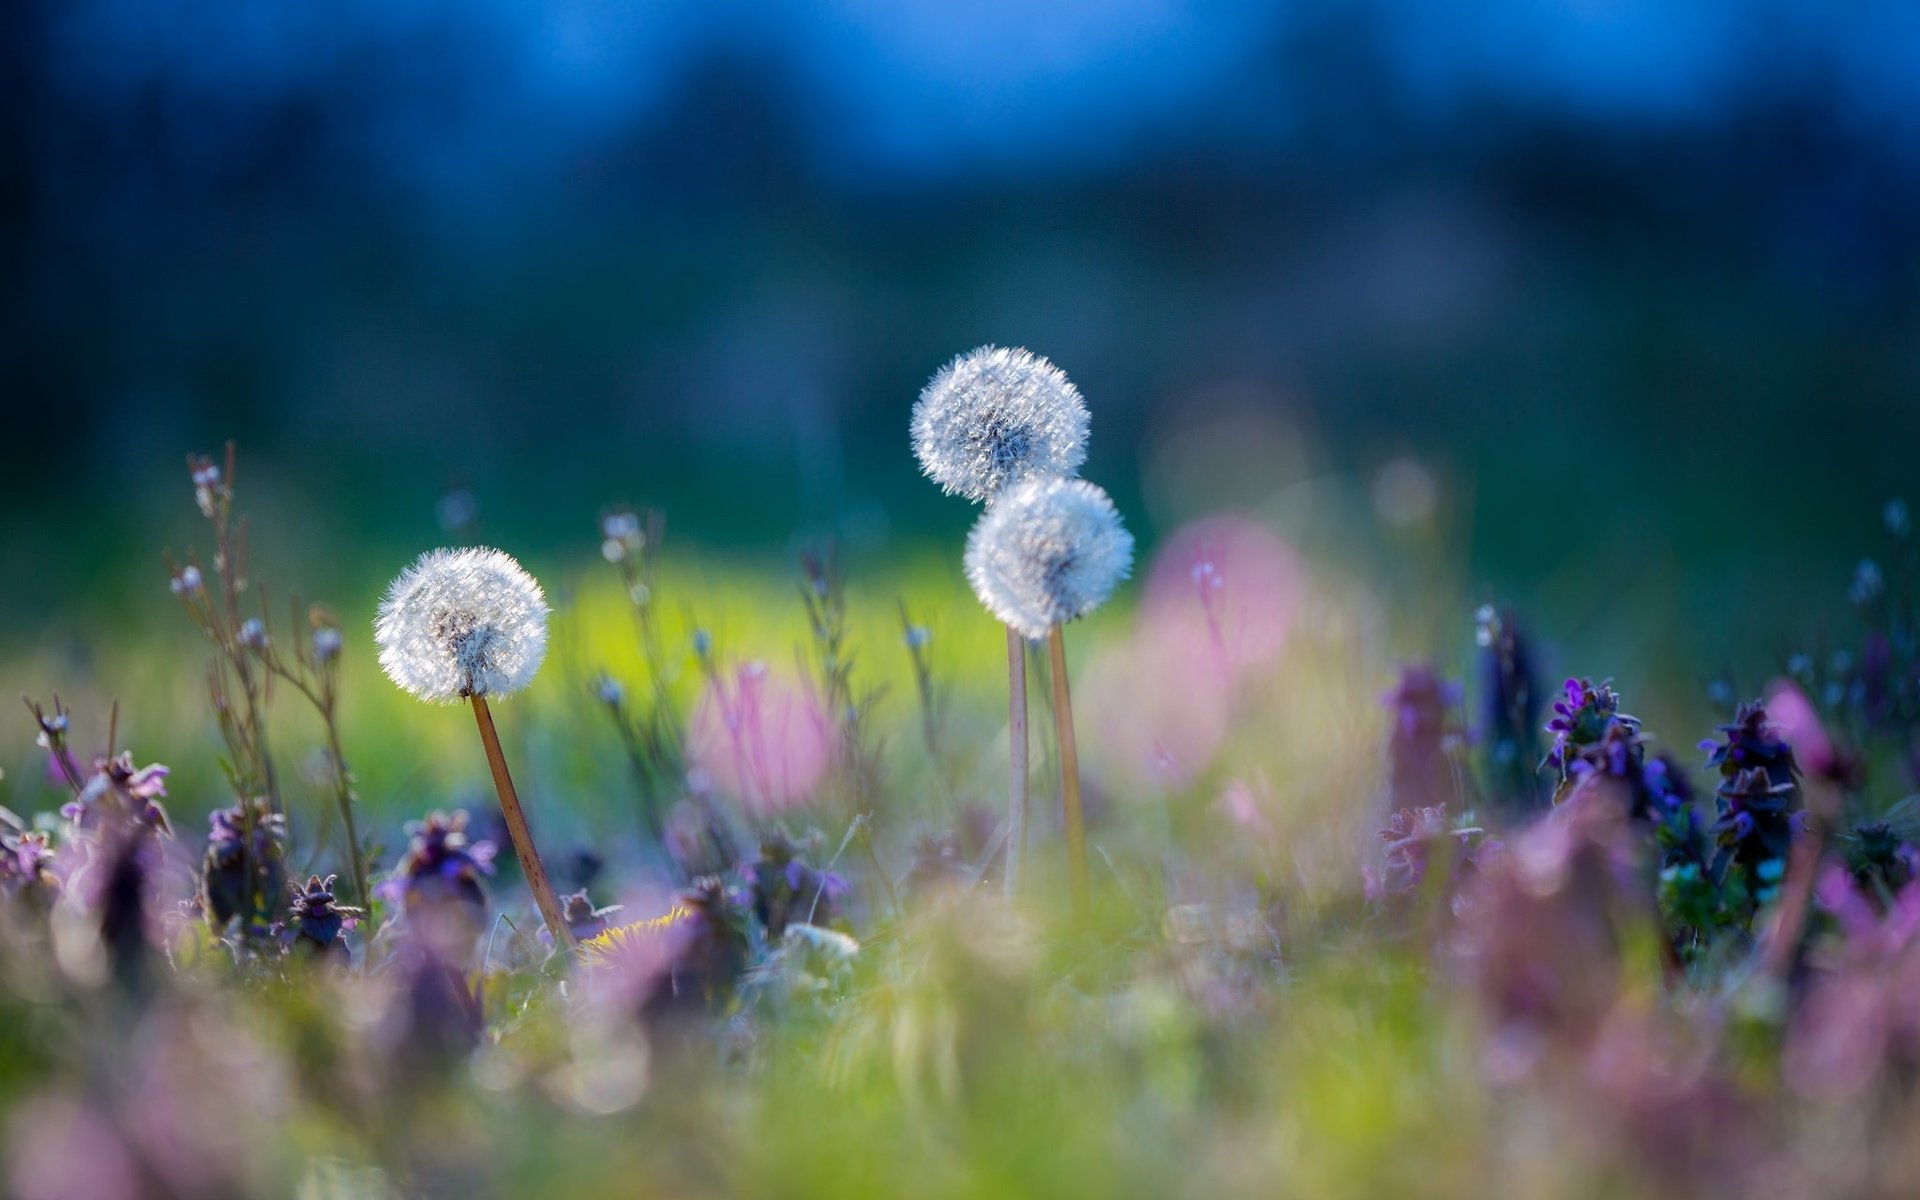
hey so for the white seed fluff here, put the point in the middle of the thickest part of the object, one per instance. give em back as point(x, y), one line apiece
point(1047, 551)
point(996, 417)
point(462, 623)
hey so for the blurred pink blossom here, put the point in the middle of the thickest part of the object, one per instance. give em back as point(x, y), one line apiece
point(1244, 804)
point(1799, 722)
point(1154, 707)
point(1858, 1020)
point(762, 740)
point(1216, 608)
point(1227, 583)
point(59, 1149)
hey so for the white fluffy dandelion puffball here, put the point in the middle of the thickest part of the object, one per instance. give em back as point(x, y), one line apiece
point(1047, 551)
point(462, 623)
point(993, 418)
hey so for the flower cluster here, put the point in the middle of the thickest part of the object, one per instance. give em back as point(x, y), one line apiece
point(583, 918)
point(1755, 803)
point(1582, 717)
point(120, 797)
point(438, 880)
point(315, 921)
point(1422, 739)
point(1418, 842)
point(26, 861)
point(243, 874)
point(784, 889)
point(1881, 861)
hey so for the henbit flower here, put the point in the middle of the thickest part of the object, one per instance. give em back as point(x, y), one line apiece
point(785, 890)
point(461, 623)
point(1422, 740)
point(1753, 739)
point(26, 860)
point(315, 921)
point(996, 417)
point(1856, 1026)
point(586, 921)
point(441, 863)
point(1046, 552)
point(119, 796)
point(1756, 826)
point(1881, 862)
point(226, 889)
point(438, 881)
point(1582, 718)
point(1412, 840)
point(1550, 928)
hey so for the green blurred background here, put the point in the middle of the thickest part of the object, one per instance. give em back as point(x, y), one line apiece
point(1609, 310)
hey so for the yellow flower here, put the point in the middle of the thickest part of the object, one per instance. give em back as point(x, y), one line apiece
point(611, 947)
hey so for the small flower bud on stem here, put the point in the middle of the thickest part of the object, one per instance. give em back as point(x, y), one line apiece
point(530, 864)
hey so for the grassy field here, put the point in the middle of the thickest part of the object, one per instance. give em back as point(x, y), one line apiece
point(1258, 995)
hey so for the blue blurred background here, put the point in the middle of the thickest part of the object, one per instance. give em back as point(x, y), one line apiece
point(1634, 285)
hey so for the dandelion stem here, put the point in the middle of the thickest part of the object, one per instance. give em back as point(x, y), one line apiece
point(530, 864)
point(1069, 771)
point(1017, 760)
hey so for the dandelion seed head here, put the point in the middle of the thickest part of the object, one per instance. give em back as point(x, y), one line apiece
point(1046, 552)
point(996, 417)
point(461, 623)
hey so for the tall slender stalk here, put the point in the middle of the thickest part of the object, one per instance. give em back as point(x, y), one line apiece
point(517, 829)
point(1069, 771)
point(1017, 760)
point(313, 671)
point(343, 796)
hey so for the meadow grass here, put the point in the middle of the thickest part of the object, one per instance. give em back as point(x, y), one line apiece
point(1261, 995)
